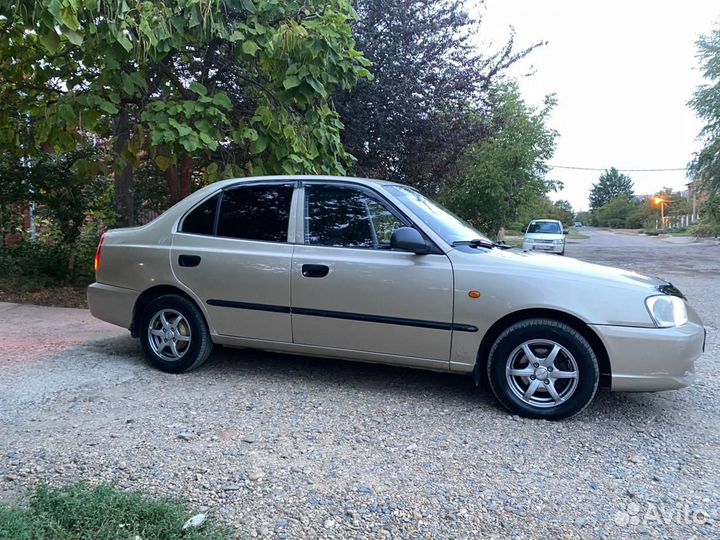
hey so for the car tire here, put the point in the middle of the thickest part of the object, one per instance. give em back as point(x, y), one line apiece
point(562, 253)
point(556, 380)
point(174, 334)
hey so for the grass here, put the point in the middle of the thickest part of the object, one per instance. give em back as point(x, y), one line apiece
point(575, 235)
point(668, 232)
point(102, 513)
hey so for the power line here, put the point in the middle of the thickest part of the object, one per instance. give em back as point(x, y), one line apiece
point(616, 168)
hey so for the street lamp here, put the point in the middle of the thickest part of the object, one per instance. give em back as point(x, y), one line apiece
point(660, 201)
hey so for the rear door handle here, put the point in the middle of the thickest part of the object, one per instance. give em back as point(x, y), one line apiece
point(315, 270)
point(189, 260)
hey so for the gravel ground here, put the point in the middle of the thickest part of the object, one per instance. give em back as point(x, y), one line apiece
point(294, 447)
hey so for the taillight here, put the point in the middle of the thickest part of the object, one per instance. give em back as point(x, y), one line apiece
point(98, 253)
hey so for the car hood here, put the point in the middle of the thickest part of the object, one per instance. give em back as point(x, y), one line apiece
point(544, 236)
point(568, 269)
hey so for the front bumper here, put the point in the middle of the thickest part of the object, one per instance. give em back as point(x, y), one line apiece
point(544, 248)
point(652, 359)
point(112, 304)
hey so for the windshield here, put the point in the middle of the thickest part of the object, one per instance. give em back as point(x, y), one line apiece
point(549, 227)
point(444, 223)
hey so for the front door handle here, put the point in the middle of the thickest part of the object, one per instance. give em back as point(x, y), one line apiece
point(315, 270)
point(189, 260)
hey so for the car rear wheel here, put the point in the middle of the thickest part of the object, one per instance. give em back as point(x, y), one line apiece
point(542, 368)
point(174, 334)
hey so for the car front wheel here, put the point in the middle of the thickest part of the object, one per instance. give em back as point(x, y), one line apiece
point(542, 368)
point(174, 334)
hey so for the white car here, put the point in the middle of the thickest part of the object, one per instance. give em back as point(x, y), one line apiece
point(545, 235)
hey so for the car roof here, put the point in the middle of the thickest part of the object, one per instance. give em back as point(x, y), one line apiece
point(545, 220)
point(356, 180)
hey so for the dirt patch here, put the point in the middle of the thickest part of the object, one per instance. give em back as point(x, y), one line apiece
point(62, 295)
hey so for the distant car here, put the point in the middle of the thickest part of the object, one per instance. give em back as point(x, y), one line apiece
point(546, 235)
point(578, 224)
point(373, 271)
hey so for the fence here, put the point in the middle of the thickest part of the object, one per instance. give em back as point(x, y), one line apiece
point(678, 222)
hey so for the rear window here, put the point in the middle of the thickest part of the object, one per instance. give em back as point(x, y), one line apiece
point(202, 219)
point(256, 213)
point(549, 227)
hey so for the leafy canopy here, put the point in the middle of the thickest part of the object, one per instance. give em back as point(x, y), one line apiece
point(413, 121)
point(611, 184)
point(244, 82)
point(506, 172)
point(706, 103)
point(705, 167)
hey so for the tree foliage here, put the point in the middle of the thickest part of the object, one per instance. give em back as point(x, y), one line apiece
point(14, 192)
point(238, 86)
point(413, 121)
point(506, 172)
point(611, 184)
point(615, 213)
point(705, 167)
point(706, 103)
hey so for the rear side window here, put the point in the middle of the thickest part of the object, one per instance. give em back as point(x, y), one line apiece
point(202, 219)
point(256, 213)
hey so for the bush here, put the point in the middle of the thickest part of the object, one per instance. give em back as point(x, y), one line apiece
point(44, 262)
point(705, 229)
point(83, 270)
point(47, 261)
point(635, 221)
point(616, 223)
point(103, 513)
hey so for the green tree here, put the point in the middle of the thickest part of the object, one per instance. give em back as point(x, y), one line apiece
point(235, 86)
point(564, 212)
point(586, 218)
point(413, 121)
point(611, 184)
point(616, 212)
point(705, 166)
point(541, 207)
point(14, 193)
point(506, 172)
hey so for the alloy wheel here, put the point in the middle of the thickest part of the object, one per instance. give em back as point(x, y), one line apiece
point(169, 334)
point(542, 373)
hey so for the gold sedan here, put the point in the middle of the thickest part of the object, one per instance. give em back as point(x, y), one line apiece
point(374, 271)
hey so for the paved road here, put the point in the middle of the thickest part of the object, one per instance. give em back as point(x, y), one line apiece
point(665, 257)
point(293, 447)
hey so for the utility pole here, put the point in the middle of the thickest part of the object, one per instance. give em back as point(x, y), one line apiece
point(661, 202)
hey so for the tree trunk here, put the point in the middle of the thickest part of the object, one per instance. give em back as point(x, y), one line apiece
point(123, 177)
point(185, 176)
point(179, 179)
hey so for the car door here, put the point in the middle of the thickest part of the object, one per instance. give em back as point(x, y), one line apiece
point(232, 251)
point(351, 291)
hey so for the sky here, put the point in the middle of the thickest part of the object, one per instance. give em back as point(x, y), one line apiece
point(622, 71)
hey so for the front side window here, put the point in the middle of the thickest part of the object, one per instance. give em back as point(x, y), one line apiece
point(256, 212)
point(343, 216)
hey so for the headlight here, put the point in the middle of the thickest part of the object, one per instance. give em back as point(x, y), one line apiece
point(667, 311)
point(558, 242)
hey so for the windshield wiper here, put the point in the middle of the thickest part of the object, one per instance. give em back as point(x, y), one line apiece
point(481, 242)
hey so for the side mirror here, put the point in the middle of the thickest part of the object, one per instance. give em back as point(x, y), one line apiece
point(409, 239)
point(566, 231)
